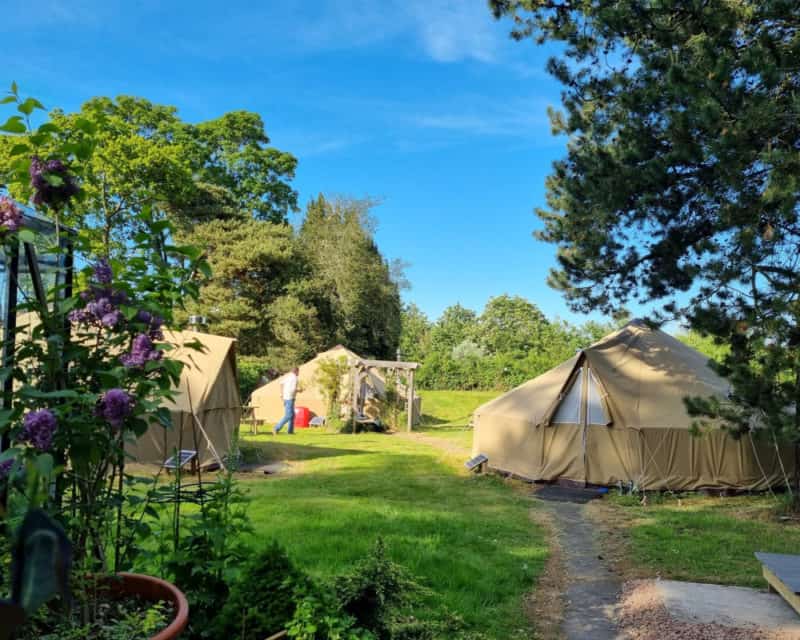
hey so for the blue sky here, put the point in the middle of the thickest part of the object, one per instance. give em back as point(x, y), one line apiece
point(427, 105)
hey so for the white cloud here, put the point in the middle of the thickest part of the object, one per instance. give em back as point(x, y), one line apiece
point(490, 117)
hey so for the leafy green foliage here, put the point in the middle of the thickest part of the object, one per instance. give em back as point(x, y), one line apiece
point(375, 590)
point(201, 549)
point(252, 372)
point(262, 600)
point(329, 379)
point(350, 284)
point(507, 344)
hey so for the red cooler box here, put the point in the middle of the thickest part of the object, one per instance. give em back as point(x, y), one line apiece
point(302, 416)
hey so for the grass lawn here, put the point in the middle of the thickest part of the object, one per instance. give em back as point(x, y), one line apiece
point(469, 539)
point(699, 538)
point(446, 414)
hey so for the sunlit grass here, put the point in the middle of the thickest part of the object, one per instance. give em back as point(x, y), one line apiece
point(469, 539)
point(705, 539)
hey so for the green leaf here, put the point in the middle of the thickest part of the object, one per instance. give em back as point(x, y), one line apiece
point(19, 149)
point(29, 105)
point(49, 395)
point(48, 127)
point(8, 100)
point(14, 125)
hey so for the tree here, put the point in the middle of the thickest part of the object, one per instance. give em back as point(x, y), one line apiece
point(681, 177)
point(415, 333)
point(252, 263)
point(511, 324)
point(350, 282)
point(147, 159)
point(455, 325)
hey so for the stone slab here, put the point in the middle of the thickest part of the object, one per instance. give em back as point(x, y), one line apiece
point(728, 606)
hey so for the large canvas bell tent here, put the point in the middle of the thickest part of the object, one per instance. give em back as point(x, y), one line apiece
point(267, 402)
point(206, 409)
point(615, 413)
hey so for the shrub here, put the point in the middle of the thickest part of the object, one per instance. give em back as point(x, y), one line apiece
point(250, 369)
point(328, 378)
point(375, 591)
point(263, 600)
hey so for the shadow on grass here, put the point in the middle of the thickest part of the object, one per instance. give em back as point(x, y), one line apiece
point(281, 450)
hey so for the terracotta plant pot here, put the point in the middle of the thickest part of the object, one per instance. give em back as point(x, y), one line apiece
point(153, 590)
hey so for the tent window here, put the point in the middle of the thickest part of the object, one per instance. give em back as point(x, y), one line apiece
point(569, 411)
point(595, 411)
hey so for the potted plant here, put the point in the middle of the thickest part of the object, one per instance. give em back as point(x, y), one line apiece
point(86, 370)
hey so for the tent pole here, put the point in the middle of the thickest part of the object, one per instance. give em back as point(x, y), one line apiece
point(410, 399)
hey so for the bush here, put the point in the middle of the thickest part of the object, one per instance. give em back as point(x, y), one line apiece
point(375, 591)
point(263, 600)
point(250, 369)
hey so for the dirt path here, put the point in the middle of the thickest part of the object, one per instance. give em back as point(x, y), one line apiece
point(592, 590)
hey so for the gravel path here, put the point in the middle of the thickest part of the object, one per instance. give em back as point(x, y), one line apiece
point(592, 589)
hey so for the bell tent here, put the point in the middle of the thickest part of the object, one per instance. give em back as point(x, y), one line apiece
point(206, 409)
point(614, 413)
point(267, 403)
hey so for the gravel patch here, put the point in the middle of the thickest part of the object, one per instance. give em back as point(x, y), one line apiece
point(644, 616)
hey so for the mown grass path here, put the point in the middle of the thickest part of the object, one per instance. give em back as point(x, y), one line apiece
point(469, 539)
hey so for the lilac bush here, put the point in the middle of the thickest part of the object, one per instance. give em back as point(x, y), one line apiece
point(89, 375)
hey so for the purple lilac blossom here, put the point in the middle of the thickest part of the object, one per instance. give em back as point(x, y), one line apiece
point(102, 271)
point(115, 406)
point(153, 322)
point(43, 173)
point(10, 214)
point(5, 467)
point(38, 428)
point(142, 351)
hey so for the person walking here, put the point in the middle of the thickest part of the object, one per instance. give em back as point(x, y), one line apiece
point(288, 393)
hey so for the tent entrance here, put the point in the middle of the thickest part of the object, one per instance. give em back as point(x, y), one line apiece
point(581, 405)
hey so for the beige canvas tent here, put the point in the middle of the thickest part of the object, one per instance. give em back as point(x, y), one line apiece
point(268, 405)
point(615, 413)
point(206, 410)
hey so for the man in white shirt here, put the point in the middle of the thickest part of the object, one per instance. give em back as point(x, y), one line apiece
point(288, 392)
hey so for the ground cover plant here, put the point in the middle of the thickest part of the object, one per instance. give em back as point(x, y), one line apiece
point(699, 538)
point(466, 539)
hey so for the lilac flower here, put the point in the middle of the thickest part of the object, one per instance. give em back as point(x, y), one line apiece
point(5, 467)
point(52, 184)
point(115, 406)
point(10, 214)
point(102, 271)
point(38, 428)
point(111, 319)
point(142, 351)
point(153, 322)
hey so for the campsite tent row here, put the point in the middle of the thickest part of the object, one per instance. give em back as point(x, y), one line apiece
point(267, 403)
point(614, 413)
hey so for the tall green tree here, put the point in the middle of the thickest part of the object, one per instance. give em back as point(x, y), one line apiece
point(252, 263)
point(511, 324)
point(682, 176)
point(147, 159)
point(352, 284)
point(415, 333)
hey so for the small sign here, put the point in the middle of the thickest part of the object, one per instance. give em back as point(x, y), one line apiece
point(476, 462)
point(184, 455)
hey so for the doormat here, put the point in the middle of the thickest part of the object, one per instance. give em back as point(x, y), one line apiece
point(581, 495)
